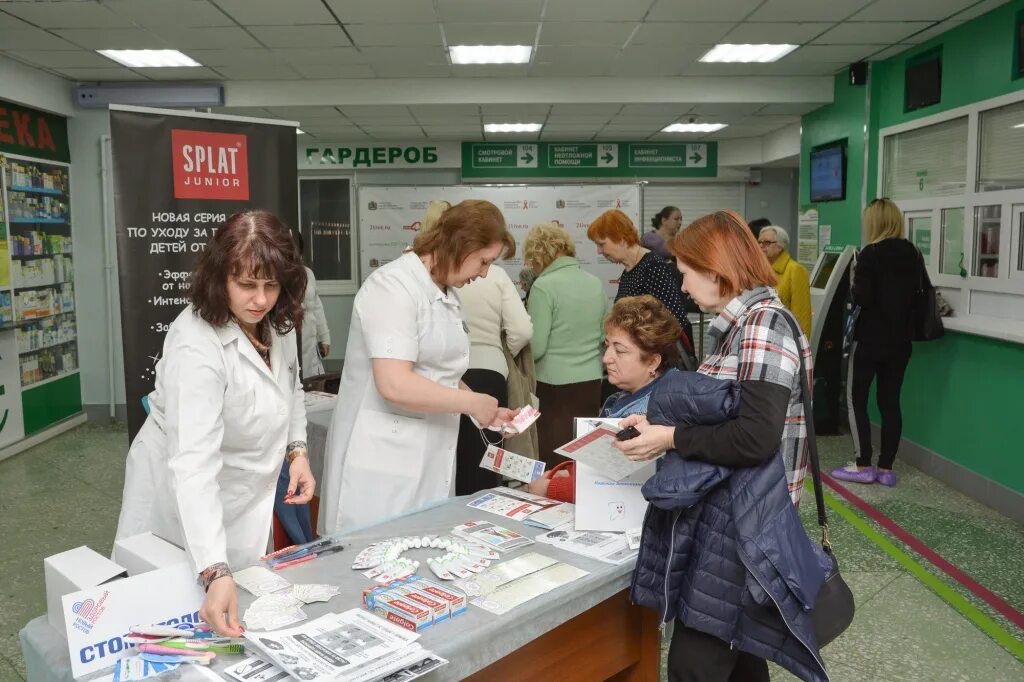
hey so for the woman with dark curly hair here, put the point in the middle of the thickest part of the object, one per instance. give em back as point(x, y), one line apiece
point(226, 411)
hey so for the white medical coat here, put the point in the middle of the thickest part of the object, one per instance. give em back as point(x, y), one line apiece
point(382, 461)
point(314, 328)
point(202, 472)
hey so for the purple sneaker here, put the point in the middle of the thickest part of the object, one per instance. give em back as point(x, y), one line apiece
point(851, 473)
point(886, 477)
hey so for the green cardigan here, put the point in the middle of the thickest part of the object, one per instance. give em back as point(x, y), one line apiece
point(567, 306)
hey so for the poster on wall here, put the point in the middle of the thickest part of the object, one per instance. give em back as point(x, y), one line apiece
point(325, 219)
point(177, 177)
point(389, 218)
point(807, 237)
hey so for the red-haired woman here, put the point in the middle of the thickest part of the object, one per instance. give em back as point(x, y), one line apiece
point(645, 272)
point(227, 409)
point(391, 444)
point(725, 272)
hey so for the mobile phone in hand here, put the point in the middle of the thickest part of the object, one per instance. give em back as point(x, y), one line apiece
point(627, 433)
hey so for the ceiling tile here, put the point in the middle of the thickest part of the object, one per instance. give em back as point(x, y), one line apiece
point(90, 75)
point(383, 11)
point(574, 54)
point(196, 73)
point(929, 33)
point(787, 109)
point(489, 10)
point(596, 10)
point(450, 122)
point(10, 21)
point(71, 14)
point(222, 38)
point(806, 10)
point(655, 109)
point(375, 110)
point(911, 10)
point(83, 59)
point(254, 72)
point(355, 136)
point(620, 136)
point(453, 130)
point(32, 39)
point(586, 32)
point(338, 131)
point(831, 53)
point(216, 58)
point(276, 12)
point(776, 32)
point(586, 69)
point(783, 68)
point(326, 35)
point(707, 10)
point(491, 33)
point(169, 12)
point(674, 33)
point(978, 9)
point(306, 114)
point(420, 70)
point(490, 70)
point(332, 71)
point(891, 51)
point(404, 55)
point(602, 109)
point(409, 35)
point(252, 112)
point(643, 122)
point(724, 110)
point(395, 132)
point(854, 33)
point(115, 38)
point(657, 61)
point(513, 110)
point(445, 111)
point(319, 55)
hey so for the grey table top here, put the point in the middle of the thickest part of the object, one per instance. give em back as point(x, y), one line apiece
point(471, 641)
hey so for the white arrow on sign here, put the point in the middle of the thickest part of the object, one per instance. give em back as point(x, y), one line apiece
point(608, 155)
point(696, 156)
point(526, 156)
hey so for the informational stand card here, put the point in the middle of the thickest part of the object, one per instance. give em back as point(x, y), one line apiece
point(602, 503)
point(511, 465)
point(612, 548)
point(597, 449)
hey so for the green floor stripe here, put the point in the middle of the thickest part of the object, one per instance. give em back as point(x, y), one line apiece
point(945, 592)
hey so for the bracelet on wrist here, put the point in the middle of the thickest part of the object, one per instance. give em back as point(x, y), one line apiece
point(211, 573)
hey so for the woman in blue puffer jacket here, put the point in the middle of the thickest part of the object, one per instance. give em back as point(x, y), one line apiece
point(723, 551)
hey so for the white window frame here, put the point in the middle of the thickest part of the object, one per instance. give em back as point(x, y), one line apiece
point(1016, 241)
point(337, 287)
point(1009, 280)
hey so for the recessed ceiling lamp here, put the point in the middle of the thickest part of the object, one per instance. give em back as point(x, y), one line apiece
point(512, 127)
point(693, 127)
point(747, 53)
point(149, 58)
point(490, 54)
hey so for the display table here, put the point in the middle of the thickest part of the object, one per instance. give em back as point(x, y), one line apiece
point(316, 441)
point(586, 630)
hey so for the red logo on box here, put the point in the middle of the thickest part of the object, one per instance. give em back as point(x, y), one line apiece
point(209, 165)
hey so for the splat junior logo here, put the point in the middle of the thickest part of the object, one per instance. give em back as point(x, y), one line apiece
point(210, 165)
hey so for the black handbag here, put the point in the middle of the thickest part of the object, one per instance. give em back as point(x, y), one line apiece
point(927, 320)
point(833, 608)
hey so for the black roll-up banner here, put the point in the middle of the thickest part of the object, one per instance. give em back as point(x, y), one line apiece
point(176, 179)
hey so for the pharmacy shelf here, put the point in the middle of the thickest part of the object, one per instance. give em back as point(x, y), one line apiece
point(42, 286)
point(49, 380)
point(30, 320)
point(51, 345)
point(33, 256)
point(39, 221)
point(36, 190)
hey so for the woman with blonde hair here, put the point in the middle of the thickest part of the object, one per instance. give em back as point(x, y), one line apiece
point(887, 276)
point(567, 306)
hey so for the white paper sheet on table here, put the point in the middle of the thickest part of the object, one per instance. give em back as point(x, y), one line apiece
point(259, 581)
point(274, 611)
point(596, 449)
point(552, 517)
point(332, 646)
point(314, 592)
point(508, 596)
point(256, 669)
point(504, 573)
point(612, 548)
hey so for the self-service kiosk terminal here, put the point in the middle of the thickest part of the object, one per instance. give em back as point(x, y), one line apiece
point(830, 289)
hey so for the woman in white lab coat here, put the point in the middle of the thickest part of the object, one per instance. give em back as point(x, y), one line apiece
point(316, 335)
point(391, 444)
point(226, 410)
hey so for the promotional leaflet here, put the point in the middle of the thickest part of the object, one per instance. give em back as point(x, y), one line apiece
point(552, 517)
point(511, 465)
point(504, 573)
point(510, 503)
point(611, 548)
point(604, 504)
point(596, 449)
point(407, 663)
point(331, 646)
point(491, 535)
point(511, 595)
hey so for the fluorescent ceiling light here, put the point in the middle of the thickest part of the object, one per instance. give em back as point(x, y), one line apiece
point(300, 131)
point(747, 53)
point(512, 127)
point(1019, 125)
point(149, 58)
point(490, 54)
point(693, 127)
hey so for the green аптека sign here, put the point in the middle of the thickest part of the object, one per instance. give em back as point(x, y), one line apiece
point(589, 159)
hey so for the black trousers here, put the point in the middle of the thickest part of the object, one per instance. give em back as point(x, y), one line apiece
point(889, 365)
point(469, 477)
point(696, 657)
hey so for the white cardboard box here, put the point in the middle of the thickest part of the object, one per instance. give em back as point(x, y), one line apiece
point(146, 552)
point(71, 571)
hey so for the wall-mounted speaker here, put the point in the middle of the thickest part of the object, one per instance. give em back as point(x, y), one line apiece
point(859, 73)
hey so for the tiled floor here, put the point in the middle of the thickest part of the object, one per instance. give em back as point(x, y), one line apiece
point(67, 492)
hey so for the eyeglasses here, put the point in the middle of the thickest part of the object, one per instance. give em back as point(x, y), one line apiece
point(765, 242)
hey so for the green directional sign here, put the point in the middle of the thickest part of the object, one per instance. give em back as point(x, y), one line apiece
point(589, 159)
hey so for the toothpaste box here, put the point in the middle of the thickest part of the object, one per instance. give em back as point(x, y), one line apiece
point(455, 599)
point(401, 612)
point(440, 608)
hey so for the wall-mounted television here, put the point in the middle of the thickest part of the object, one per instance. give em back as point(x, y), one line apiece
point(922, 81)
point(828, 172)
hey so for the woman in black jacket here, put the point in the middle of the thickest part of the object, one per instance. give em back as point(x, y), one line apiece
point(886, 279)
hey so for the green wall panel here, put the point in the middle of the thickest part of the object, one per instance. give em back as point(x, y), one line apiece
point(51, 402)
